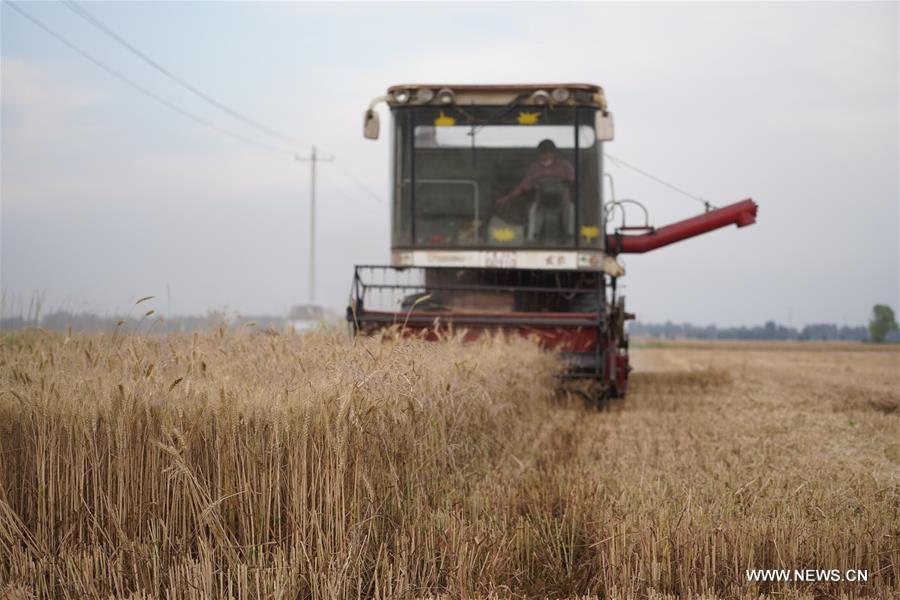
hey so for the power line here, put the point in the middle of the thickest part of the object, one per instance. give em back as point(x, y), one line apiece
point(342, 192)
point(619, 161)
point(84, 14)
point(169, 104)
point(144, 90)
point(359, 183)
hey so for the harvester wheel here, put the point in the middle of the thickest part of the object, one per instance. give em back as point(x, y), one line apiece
point(593, 394)
point(603, 395)
point(617, 393)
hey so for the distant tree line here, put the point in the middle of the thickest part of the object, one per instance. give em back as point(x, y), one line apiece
point(883, 326)
point(62, 320)
point(769, 331)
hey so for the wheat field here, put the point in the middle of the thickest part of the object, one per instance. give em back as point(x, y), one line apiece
point(258, 465)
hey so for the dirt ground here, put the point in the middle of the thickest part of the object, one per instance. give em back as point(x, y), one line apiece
point(841, 376)
point(845, 396)
point(793, 448)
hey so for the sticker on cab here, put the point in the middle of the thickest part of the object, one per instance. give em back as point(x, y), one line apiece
point(503, 234)
point(444, 121)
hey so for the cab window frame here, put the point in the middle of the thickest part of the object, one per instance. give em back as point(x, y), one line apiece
point(405, 121)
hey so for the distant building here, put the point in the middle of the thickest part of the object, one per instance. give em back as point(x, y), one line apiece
point(305, 317)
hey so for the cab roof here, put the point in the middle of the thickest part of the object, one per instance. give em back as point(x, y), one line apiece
point(578, 94)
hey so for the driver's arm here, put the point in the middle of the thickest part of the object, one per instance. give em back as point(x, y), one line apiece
point(512, 195)
point(525, 185)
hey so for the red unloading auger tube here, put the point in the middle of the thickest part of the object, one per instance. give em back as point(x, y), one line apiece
point(741, 213)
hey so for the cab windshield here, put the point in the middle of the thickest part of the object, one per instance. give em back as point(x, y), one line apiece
point(496, 177)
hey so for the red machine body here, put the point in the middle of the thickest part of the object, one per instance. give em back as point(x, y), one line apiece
point(740, 213)
point(466, 259)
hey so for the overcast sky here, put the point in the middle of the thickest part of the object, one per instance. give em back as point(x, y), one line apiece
point(108, 196)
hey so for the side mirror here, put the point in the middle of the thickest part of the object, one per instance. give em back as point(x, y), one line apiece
point(370, 125)
point(603, 125)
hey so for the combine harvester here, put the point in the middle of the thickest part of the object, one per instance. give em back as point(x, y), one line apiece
point(499, 222)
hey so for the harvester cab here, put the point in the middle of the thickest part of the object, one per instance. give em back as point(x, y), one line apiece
point(499, 222)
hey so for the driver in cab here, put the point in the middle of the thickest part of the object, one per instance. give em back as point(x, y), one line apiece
point(551, 214)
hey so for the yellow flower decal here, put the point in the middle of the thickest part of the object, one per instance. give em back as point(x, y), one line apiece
point(590, 232)
point(527, 118)
point(444, 121)
point(503, 235)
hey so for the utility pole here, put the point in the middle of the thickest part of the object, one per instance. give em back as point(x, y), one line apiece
point(312, 160)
